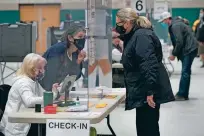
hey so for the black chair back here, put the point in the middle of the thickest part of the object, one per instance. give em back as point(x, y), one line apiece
point(4, 91)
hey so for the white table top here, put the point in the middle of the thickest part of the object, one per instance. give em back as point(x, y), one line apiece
point(117, 65)
point(95, 115)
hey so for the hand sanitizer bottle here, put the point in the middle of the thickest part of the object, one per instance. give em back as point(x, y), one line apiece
point(77, 101)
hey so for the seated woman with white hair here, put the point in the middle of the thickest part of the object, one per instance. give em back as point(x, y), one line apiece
point(24, 93)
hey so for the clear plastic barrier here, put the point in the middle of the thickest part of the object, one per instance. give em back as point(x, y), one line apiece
point(73, 36)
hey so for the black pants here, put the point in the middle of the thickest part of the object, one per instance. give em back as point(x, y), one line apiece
point(147, 121)
point(184, 85)
point(1, 134)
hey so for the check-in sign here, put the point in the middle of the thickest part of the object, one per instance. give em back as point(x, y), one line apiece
point(55, 127)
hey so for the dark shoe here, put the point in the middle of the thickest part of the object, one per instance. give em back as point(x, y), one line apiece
point(180, 98)
point(202, 66)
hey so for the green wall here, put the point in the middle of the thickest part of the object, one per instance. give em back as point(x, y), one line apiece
point(76, 14)
point(80, 15)
point(189, 13)
point(10, 16)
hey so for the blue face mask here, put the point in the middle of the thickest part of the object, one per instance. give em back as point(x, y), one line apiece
point(164, 25)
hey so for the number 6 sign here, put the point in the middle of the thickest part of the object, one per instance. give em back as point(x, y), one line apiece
point(139, 5)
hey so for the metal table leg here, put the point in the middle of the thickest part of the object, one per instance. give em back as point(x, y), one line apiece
point(40, 130)
point(1, 74)
point(2, 70)
point(168, 63)
point(171, 67)
point(110, 128)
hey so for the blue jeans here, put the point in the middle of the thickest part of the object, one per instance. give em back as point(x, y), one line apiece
point(186, 74)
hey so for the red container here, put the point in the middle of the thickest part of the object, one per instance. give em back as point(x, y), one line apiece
point(50, 110)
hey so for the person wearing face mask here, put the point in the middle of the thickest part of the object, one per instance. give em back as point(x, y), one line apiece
point(185, 49)
point(65, 58)
point(117, 73)
point(25, 93)
point(200, 36)
point(146, 79)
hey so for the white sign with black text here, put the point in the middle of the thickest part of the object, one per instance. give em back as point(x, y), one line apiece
point(159, 8)
point(56, 127)
point(139, 5)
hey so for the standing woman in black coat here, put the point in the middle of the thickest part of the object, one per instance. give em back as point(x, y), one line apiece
point(200, 36)
point(146, 79)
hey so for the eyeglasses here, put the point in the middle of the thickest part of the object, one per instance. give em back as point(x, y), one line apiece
point(120, 23)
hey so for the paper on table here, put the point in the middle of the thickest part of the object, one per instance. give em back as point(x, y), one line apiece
point(87, 114)
point(95, 114)
point(121, 90)
point(76, 108)
point(81, 114)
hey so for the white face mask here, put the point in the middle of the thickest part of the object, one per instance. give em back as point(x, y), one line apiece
point(201, 15)
point(40, 76)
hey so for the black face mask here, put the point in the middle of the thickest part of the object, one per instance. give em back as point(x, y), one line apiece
point(120, 29)
point(121, 37)
point(79, 43)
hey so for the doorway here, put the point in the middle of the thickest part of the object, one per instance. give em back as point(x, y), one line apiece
point(45, 16)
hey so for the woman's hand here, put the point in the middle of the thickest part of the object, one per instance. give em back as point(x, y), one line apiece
point(118, 44)
point(150, 101)
point(116, 41)
point(201, 43)
point(55, 87)
point(81, 56)
point(172, 58)
point(115, 34)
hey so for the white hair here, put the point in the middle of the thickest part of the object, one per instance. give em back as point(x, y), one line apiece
point(29, 64)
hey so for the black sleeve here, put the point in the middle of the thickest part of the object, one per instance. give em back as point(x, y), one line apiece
point(80, 73)
point(200, 36)
point(46, 55)
point(148, 63)
point(177, 32)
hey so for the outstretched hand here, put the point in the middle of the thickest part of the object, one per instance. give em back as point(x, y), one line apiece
point(55, 87)
point(81, 56)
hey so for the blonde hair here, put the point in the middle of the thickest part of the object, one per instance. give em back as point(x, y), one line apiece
point(129, 14)
point(29, 64)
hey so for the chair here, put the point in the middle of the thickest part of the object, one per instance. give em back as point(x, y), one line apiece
point(1, 134)
point(4, 91)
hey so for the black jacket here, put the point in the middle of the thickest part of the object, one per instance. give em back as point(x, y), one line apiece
point(144, 71)
point(200, 32)
point(182, 37)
